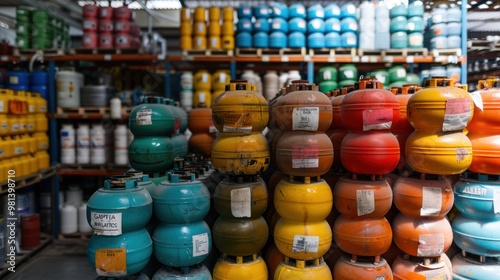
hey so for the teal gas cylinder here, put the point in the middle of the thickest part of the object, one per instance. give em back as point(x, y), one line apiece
point(182, 245)
point(180, 145)
point(180, 116)
point(181, 201)
point(120, 206)
point(197, 272)
point(465, 267)
point(475, 199)
point(130, 253)
point(151, 154)
point(152, 118)
point(147, 184)
point(479, 237)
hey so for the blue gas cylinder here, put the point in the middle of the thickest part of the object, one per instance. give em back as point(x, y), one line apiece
point(315, 25)
point(146, 183)
point(297, 10)
point(332, 11)
point(348, 25)
point(277, 40)
point(415, 24)
point(400, 10)
point(453, 42)
point(262, 11)
point(348, 40)
point(316, 40)
point(399, 40)
point(180, 145)
point(416, 8)
point(244, 40)
point(279, 10)
point(244, 11)
point(43, 90)
point(296, 40)
point(348, 10)
point(479, 237)
point(244, 25)
point(279, 24)
point(315, 11)
point(332, 25)
point(261, 40)
point(399, 24)
point(152, 118)
point(454, 14)
point(196, 272)
point(261, 24)
point(415, 40)
point(332, 40)
point(150, 154)
point(468, 267)
point(475, 199)
point(439, 42)
point(454, 28)
point(297, 25)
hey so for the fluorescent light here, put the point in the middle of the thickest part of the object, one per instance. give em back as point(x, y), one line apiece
point(150, 4)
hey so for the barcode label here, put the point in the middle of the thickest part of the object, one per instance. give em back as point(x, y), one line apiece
point(200, 245)
point(143, 117)
point(306, 118)
point(304, 243)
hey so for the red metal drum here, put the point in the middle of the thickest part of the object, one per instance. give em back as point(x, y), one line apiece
point(30, 231)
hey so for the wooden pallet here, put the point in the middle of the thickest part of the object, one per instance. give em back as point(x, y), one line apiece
point(107, 51)
point(406, 52)
point(208, 52)
point(44, 52)
point(363, 52)
point(332, 52)
point(446, 52)
point(102, 167)
point(479, 44)
point(75, 236)
point(84, 110)
point(29, 180)
point(248, 52)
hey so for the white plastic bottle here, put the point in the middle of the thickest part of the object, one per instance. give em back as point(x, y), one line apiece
point(67, 144)
point(292, 76)
point(97, 144)
point(83, 144)
point(282, 79)
point(121, 145)
point(249, 76)
point(69, 219)
point(271, 84)
point(83, 224)
point(116, 108)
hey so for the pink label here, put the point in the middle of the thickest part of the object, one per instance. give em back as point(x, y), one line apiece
point(457, 114)
point(457, 106)
point(375, 119)
point(430, 245)
point(305, 156)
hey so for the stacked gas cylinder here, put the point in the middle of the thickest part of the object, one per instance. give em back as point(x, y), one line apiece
point(475, 229)
point(364, 197)
point(203, 130)
point(118, 213)
point(241, 153)
point(303, 152)
point(437, 149)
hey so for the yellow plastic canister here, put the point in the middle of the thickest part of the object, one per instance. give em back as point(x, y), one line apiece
point(200, 14)
point(186, 28)
point(227, 28)
point(32, 102)
point(3, 148)
point(5, 96)
point(34, 163)
point(228, 42)
point(23, 123)
point(3, 171)
point(199, 28)
point(42, 140)
point(220, 79)
point(8, 145)
point(13, 124)
point(299, 270)
point(186, 14)
point(43, 160)
point(228, 13)
point(214, 13)
point(30, 123)
point(32, 144)
point(214, 29)
point(186, 43)
point(200, 43)
point(214, 43)
point(235, 269)
point(202, 80)
point(41, 103)
point(4, 125)
point(41, 123)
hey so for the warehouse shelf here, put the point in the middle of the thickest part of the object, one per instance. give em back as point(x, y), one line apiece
point(91, 113)
point(26, 181)
point(103, 170)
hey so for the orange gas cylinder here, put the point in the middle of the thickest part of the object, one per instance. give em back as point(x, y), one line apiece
point(422, 237)
point(273, 258)
point(336, 136)
point(201, 144)
point(238, 197)
point(369, 107)
point(303, 202)
point(413, 268)
point(302, 270)
point(240, 109)
point(362, 237)
point(486, 120)
point(240, 237)
point(485, 153)
point(356, 198)
point(423, 196)
point(229, 268)
point(304, 108)
point(274, 144)
point(240, 154)
point(347, 269)
point(443, 153)
point(301, 153)
point(403, 96)
point(440, 106)
point(200, 121)
point(336, 105)
point(303, 241)
point(371, 152)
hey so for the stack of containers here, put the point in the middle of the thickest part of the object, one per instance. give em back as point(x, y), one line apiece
point(118, 213)
point(38, 29)
point(214, 28)
point(42, 31)
point(337, 130)
point(125, 30)
point(382, 27)
point(227, 28)
point(326, 78)
point(399, 26)
point(437, 148)
point(368, 152)
point(244, 27)
point(315, 27)
point(182, 240)
point(297, 26)
point(332, 26)
point(186, 93)
point(240, 114)
point(348, 73)
point(261, 26)
point(348, 26)
point(202, 84)
point(476, 194)
point(367, 26)
point(302, 199)
point(186, 29)
point(279, 26)
point(200, 29)
point(444, 28)
point(202, 128)
point(415, 25)
point(105, 27)
point(23, 28)
point(454, 28)
point(24, 142)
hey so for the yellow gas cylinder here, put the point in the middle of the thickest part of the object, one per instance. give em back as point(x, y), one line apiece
point(214, 13)
point(300, 270)
point(32, 143)
point(214, 43)
point(216, 94)
point(442, 153)
point(186, 43)
point(30, 123)
point(240, 109)
point(3, 171)
point(41, 123)
point(25, 143)
point(240, 154)
point(200, 42)
point(202, 96)
point(41, 103)
point(303, 202)
point(28, 166)
point(202, 80)
point(32, 102)
point(227, 28)
point(186, 28)
point(4, 124)
point(5, 96)
point(42, 140)
point(228, 42)
point(214, 29)
point(200, 14)
point(303, 241)
point(220, 79)
point(440, 106)
point(186, 14)
point(8, 146)
point(43, 160)
point(199, 29)
point(13, 124)
point(228, 13)
point(252, 267)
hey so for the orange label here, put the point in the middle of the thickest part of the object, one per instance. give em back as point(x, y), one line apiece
point(111, 262)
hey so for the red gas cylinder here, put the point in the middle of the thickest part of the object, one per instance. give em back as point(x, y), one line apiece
point(355, 198)
point(301, 153)
point(90, 24)
point(106, 12)
point(413, 268)
point(89, 40)
point(106, 25)
point(422, 237)
point(201, 143)
point(122, 26)
point(30, 231)
point(336, 106)
point(403, 95)
point(122, 13)
point(106, 40)
point(366, 237)
point(347, 269)
point(369, 107)
point(423, 195)
point(90, 11)
point(304, 108)
point(336, 136)
point(200, 121)
point(370, 152)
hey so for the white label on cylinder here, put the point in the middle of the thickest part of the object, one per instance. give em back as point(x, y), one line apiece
point(432, 199)
point(13, 80)
point(411, 26)
point(496, 201)
point(457, 114)
point(365, 201)
point(320, 13)
point(401, 73)
point(349, 74)
point(204, 77)
point(353, 26)
point(109, 224)
point(301, 10)
point(478, 99)
point(87, 40)
point(88, 24)
point(32, 108)
point(430, 245)
point(200, 245)
point(301, 24)
point(222, 77)
point(1, 106)
point(304, 243)
point(375, 119)
point(316, 24)
point(18, 150)
point(143, 117)
point(306, 118)
point(15, 127)
point(241, 203)
point(327, 75)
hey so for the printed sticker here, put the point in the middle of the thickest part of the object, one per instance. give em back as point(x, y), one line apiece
point(109, 224)
point(430, 245)
point(241, 203)
point(432, 199)
point(457, 114)
point(304, 243)
point(365, 201)
point(305, 118)
point(111, 262)
point(143, 117)
point(200, 245)
point(241, 123)
point(305, 156)
point(375, 119)
point(477, 99)
point(2, 108)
